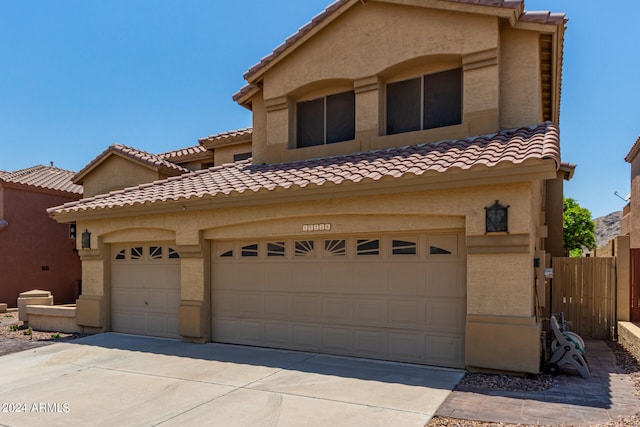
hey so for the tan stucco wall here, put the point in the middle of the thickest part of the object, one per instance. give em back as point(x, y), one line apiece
point(116, 173)
point(498, 283)
point(224, 155)
point(520, 80)
point(370, 45)
point(634, 216)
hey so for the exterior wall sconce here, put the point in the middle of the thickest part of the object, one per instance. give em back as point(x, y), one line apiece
point(86, 239)
point(497, 218)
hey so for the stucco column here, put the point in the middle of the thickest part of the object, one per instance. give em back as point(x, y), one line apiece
point(92, 307)
point(502, 330)
point(195, 292)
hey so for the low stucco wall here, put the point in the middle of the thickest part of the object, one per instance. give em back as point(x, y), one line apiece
point(629, 337)
point(60, 318)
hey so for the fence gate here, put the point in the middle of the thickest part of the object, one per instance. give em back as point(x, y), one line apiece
point(584, 290)
point(635, 285)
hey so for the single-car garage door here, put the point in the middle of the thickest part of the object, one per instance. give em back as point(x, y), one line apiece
point(392, 297)
point(145, 290)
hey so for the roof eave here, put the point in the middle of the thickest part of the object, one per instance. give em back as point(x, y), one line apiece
point(505, 172)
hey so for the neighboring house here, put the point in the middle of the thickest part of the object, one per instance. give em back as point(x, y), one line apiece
point(35, 251)
point(631, 227)
point(404, 192)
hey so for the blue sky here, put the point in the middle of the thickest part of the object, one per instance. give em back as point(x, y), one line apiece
point(77, 76)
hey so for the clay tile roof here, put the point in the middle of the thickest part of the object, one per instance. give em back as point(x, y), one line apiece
point(513, 146)
point(543, 17)
point(48, 177)
point(633, 152)
point(152, 160)
point(228, 137)
point(182, 154)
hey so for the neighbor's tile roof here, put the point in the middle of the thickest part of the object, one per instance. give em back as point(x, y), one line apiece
point(541, 17)
point(48, 177)
point(182, 154)
point(510, 146)
point(153, 160)
point(226, 137)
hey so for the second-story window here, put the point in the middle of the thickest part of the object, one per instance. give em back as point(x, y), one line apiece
point(326, 120)
point(426, 102)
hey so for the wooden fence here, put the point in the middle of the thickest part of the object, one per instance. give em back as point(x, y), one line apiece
point(584, 289)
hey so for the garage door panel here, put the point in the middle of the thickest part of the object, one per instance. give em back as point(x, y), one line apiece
point(337, 309)
point(277, 306)
point(407, 347)
point(226, 330)
point(129, 299)
point(251, 304)
point(306, 307)
point(129, 322)
point(370, 343)
point(445, 315)
point(163, 277)
point(338, 278)
point(277, 334)
point(408, 313)
point(306, 276)
point(249, 277)
point(251, 332)
point(338, 340)
point(278, 277)
point(371, 278)
point(371, 311)
point(306, 337)
point(407, 279)
point(445, 350)
point(445, 279)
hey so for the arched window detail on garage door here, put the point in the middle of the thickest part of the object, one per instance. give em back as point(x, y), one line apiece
point(249, 250)
point(276, 249)
point(155, 252)
point(444, 244)
point(121, 255)
point(335, 247)
point(137, 252)
point(368, 247)
point(434, 250)
point(304, 248)
point(173, 254)
point(404, 247)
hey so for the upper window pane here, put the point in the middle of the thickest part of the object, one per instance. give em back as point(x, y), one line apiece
point(310, 122)
point(341, 117)
point(326, 120)
point(403, 106)
point(443, 99)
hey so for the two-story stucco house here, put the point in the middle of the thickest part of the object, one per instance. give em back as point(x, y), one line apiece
point(404, 192)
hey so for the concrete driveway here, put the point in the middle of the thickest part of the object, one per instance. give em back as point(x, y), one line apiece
point(113, 379)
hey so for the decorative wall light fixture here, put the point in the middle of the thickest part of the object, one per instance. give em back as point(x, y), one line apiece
point(497, 218)
point(86, 239)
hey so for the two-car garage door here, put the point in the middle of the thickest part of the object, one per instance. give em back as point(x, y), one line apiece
point(393, 297)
